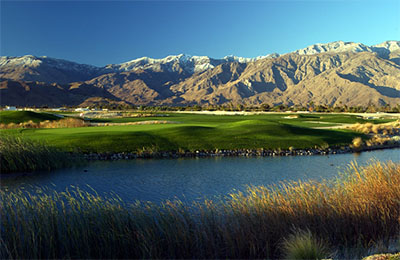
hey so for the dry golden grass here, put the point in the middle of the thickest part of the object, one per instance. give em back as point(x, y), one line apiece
point(383, 257)
point(149, 122)
point(357, 143)
point(62, 123)
point(369, 128)
point(139, 115)
point(378, 140)
point(380, 133)
point(359, 209)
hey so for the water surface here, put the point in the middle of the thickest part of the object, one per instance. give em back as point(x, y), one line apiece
point(193, 179)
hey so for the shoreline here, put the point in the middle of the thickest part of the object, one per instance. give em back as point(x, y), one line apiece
point(244, 153)
point(109, 156)
point(231, 153)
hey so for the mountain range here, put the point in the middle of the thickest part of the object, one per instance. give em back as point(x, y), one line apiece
point(336, 73)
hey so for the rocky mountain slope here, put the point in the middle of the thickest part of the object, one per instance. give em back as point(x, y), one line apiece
point(45, 69)
point(20, 93)
point(326, 78)
point(337, 73)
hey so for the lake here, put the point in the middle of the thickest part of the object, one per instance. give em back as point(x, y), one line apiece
point(157, 180)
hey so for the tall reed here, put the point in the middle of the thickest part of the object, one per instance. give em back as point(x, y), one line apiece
point(358, 209)
point(18, 154)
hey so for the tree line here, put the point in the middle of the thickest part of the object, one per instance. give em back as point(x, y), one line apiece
point(311, 107)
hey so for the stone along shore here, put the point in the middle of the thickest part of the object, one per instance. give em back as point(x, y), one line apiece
point(232, 152)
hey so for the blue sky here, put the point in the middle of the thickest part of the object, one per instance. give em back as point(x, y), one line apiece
point(103, 32)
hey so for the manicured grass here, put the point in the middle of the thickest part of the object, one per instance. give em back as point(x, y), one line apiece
point(202, 132)
point(215, 119)
point(358, 210)
point(17, 117)
point(245, 134)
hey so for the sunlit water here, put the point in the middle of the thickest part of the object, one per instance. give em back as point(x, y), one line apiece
point(192, 179)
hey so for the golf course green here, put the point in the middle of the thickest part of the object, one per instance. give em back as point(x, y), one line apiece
point(199, 132)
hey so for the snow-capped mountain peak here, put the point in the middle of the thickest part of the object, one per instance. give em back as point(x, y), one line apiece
point(146, 62)
point(188, 63)
point(27, 60)
point(389, 45)
point(341, 46)
point(173, 63)
point(35, 62)
point(46, 69)
point(337, 46)
point(232, 58)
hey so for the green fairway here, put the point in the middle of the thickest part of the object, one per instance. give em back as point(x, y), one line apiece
point(7, 117)
point(201, 132)
point(279, 117)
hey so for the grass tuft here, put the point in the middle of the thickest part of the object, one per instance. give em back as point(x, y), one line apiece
point(303, 245)
point(357, 143)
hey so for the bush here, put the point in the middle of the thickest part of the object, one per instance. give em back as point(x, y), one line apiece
point(357, 143)
point(303, 245)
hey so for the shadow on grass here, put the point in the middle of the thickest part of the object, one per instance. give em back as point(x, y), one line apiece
point(331, 137)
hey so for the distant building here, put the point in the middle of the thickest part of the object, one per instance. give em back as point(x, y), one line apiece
point(10, 108)
point(79, 109)
point(59, 109)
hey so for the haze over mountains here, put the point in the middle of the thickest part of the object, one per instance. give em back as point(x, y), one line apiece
point(337, 73)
